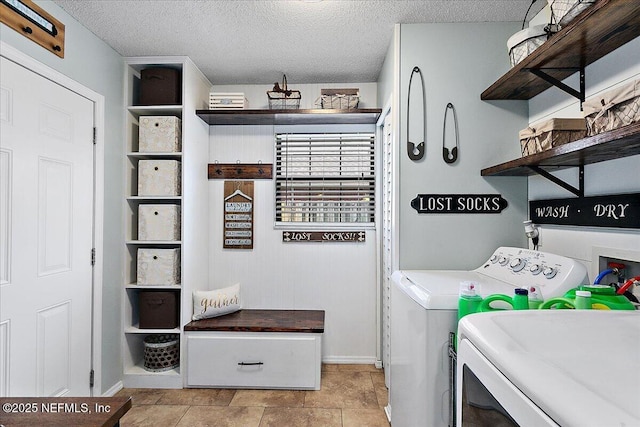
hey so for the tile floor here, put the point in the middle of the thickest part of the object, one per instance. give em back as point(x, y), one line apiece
point(350, 396)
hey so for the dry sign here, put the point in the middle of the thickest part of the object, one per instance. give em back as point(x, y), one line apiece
point(238, 215)
point(618, 210)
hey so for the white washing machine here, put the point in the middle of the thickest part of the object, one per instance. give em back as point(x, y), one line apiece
point(570, 368)
point(424, 311)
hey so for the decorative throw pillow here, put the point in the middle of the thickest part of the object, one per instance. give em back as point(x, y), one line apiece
point(216, 302)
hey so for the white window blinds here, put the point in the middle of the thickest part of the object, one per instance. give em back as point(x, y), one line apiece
point(325, 178)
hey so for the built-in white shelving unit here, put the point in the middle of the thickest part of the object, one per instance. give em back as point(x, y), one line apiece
point(194, 206)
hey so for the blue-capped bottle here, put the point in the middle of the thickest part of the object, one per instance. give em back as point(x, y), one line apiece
point(521, 299)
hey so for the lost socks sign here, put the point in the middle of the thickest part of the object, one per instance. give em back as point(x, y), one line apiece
point(459, 203)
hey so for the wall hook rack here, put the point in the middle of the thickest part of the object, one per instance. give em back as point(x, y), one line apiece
point(240, 171)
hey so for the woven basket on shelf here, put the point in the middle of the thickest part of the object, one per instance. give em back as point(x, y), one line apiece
point(339, 99)
point(161, 352)
point(282, 98)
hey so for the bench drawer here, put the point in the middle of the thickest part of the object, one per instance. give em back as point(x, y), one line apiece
point(254, 360)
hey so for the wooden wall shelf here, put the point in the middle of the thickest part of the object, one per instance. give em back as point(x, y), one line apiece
point(597, 31)
point(289, 117)
point(622, 142)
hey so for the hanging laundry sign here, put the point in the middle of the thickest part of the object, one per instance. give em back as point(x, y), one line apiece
point(238, 215)
point(620, 211)
point(459, 203)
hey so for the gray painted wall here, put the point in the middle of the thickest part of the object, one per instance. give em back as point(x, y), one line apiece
point(94, 64)
point(385, 79)
point(459, 61)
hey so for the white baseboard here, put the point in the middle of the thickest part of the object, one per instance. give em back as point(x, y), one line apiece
point(350, 360)
point(387, 411)
point(113, 390)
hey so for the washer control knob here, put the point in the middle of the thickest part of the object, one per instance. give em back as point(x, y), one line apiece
point(549, 272)
point(517, 264)
point(494, 258)
point(535, 269)
point(503, 260)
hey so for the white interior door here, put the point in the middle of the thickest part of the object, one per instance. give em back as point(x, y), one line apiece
point(46, 236)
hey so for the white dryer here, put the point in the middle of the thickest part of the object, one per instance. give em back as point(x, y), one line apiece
point(570, 368)
point(424, 313)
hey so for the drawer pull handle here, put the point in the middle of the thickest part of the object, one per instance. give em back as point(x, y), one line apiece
point(250, 363)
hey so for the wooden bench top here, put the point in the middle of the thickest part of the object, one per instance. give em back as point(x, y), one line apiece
point(308, 321)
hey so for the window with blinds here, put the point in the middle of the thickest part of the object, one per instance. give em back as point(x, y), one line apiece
point(325, 178)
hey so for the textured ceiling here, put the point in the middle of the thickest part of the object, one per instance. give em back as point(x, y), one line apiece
point(256, 41)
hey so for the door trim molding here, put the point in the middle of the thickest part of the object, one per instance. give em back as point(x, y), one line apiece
point(26, 61)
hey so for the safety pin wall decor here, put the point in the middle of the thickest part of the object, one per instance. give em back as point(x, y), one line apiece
point(450, 156)
point(416, 151)
point(240, 171)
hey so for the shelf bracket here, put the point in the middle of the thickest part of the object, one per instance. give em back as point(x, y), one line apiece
point(577, 191)
point(541, 72)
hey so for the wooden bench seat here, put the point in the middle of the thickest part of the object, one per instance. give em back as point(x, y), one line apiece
point(263, 349)
point(308, 321)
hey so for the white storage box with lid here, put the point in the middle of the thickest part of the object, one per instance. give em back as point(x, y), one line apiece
point(551, 133)
point(219, 100)
point(159, 134)
point(522, 43)
point(158, 178)
point(159, 222)
point(563, 11)
point(160, 267)
point(613, 109)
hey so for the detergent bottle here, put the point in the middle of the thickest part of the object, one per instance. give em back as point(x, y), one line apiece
point(535, 297)
point(583, 300)
point(519, 301)
point(577, 299)
point(469, 300)
point(604, 297)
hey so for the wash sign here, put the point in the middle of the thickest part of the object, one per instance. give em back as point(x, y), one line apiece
point(619, 211)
